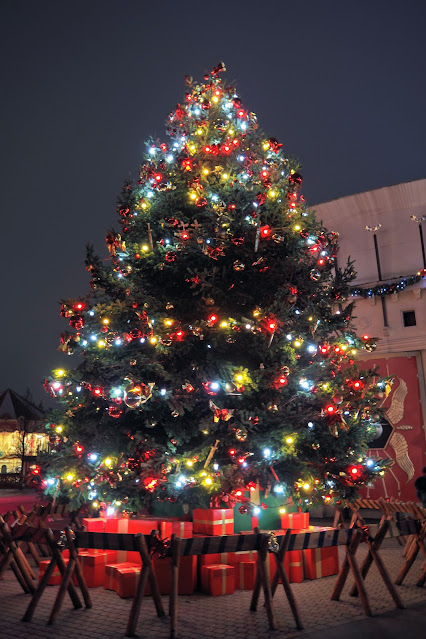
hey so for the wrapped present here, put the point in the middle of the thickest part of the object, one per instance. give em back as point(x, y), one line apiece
point(235, 558)
point(93, 566)
point(245, 575)
point(215, 558)
point(320, 562)
point(294, 520)
point(218, 579)
point(183, 529)
point(187, 575)
point(127, 580)
point(213, 521)
point(132, 527)
point(94, 524)
point(111, 574)
point(56, 577)
point(293, 564)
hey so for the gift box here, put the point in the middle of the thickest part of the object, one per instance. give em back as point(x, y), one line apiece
point(111, 574)
point(213, 521)
point(293, 564)
point(215, 558)
point(132, 527)
point(294, 520)
point(56, 577)
point(245, 575)
point(127, 580)
point(183, 529)
point(218, 579)
point(187, 576)
point(320, 562)
point(94, 524)
point(93, 566)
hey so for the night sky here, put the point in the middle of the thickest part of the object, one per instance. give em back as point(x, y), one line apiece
point(84, 84)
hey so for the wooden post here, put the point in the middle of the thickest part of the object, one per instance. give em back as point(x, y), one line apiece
point(173, 603)
point(280, 572)
point(56, 553)
point(264, 578)
point(39, 591)
point(146, 572)
point(77, 568)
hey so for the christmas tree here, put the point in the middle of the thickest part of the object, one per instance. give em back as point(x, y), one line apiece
point(216, 346)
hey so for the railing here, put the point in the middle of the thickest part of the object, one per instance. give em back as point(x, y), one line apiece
point(10, 480)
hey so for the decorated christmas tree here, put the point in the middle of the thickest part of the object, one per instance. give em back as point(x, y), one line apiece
point(215, 350)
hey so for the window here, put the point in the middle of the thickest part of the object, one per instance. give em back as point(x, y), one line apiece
point(409, 318)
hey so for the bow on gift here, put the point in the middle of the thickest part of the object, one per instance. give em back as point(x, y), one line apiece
point(221, 413)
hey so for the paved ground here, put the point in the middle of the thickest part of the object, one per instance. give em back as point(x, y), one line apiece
point(228, 617)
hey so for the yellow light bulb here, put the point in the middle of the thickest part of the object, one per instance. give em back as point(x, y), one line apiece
point(118, 503)
point(225, 176)
point(59, 429)
point(224, 324)
point(306, 486)
point(205, 432)
point(203, 474)
point(208, 480)
point(310, 318)
point(239, 377)
point(145, 248)
point(297, 227)
point(353, 352)
point(289, 440)
point(144, 205)
point(231, 131)
point(297, 343)
point(206, 171)
point(215, 98)
point(193, 196)
point(108, 461)
point(265, 146)
point(189, 463)
point(105, 321)
point(153, 340)
point(282, 511)
point(168, 322)
point(101, 343)
point(272, 194)
point(95, 504)
point(60, 372)
point(70, 477)
point(256, 313)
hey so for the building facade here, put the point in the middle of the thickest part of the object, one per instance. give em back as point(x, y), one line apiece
point(382, 231)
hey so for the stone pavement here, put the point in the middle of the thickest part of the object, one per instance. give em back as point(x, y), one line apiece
point(228, 617)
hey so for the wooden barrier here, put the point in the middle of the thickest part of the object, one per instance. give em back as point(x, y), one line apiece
point(263, 543)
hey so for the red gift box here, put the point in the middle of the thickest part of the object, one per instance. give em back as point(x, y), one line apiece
point(183, 529)
point(93, 566)
point(94, 524)
point(293, 564)
point(187, 575)
point(132, 527)
point(294, 520)
point(56, 577)
point(215, 558)
point(127, 580)
point(234, 558)
point(213, 521)
point(111, 573)
point(218, 579)
point(320, 562)
point(245, 575)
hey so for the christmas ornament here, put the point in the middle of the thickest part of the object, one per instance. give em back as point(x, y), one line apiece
point(238, 266)
point(315, 274)
point(137, 393)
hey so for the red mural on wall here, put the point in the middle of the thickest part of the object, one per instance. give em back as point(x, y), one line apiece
point(400, 436)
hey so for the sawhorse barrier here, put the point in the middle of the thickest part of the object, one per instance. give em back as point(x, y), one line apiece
point(263, 543)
